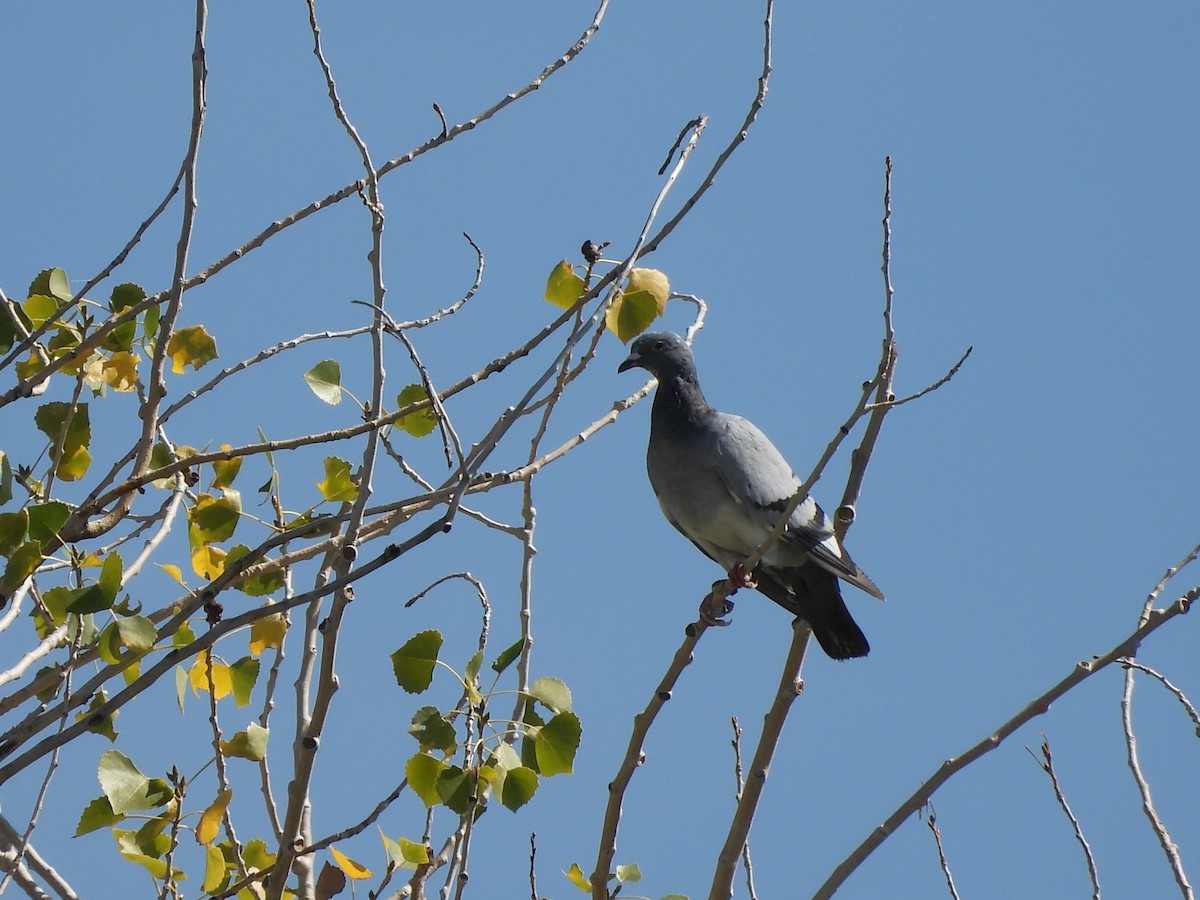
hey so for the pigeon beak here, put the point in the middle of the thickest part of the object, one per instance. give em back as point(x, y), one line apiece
point(631, 361)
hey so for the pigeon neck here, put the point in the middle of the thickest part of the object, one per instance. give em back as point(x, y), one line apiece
point(679, 399)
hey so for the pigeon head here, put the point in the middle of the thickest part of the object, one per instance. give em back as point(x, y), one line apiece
point(662, 354)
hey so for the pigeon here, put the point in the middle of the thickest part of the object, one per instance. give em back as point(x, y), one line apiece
point(723, 485)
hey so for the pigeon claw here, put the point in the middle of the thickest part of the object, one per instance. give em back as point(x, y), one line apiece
point(715, 606)
point(740, 578)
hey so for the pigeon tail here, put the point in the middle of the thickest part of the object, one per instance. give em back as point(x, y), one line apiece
point(813, 594)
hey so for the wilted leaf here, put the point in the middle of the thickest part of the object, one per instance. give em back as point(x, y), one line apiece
point(337, 485)
point(413, 663)
point(354, 870)
point(267, 632)
point(119, 371)
point(191, 346)
point(576, 877)
point(325, 380)
point(250, 744)
point(564, 287)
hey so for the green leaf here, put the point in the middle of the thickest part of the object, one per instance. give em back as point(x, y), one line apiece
point(325, 380)
point(69, 425)
point(564, 287)
point(191, 346)
point(454, 789)
point(127, 788)
point(471, 670)
point(553, 693)
point(243, 674)
point(135, 633)
point(13, 528)
point(5, 475)
point(413, 663)
point(52, 282)
point(96, 815)
point(653, 282)
point(421, 422)
point(250, 744)
point(422, 772)
point(256, 855)
point(123, 296)
point(519, 786)
point(631, 314)
point(629, 874)
point(212, 520)
point(337, 486)
point(46, 519)
point(576, 877)
point(556, 744)
point(22, 563)
point(225, 470)
point(507, 656)
point(433, 731)
point(412, 852)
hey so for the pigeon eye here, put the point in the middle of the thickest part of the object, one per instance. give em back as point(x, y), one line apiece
point(658, 345)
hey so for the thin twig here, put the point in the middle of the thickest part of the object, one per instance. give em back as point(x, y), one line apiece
point(1036, 707)
point(931, 820)
point(1047, 765)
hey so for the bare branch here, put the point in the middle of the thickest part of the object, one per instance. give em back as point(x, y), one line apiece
point(931, 820)
point(1047, 765)
point(1036, 707)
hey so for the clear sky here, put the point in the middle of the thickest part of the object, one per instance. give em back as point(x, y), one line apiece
point(1045, 196)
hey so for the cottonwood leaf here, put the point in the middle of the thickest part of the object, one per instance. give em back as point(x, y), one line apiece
point(325, 380)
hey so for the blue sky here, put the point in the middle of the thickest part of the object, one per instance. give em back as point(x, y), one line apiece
point(1044, 203)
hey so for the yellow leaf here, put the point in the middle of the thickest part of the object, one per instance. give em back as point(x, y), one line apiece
point(210, 821)
point(120, 370)
point(631, 314)
point(191, 346)
point(214, 869)
point(222, 681)
point(337, 485)
point(563, 287)
point(208, 562)
point(267, 632)
point(651, 280)
point(173, 571)
point(352, 869)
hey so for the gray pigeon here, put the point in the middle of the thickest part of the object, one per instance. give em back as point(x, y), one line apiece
point(723, 485)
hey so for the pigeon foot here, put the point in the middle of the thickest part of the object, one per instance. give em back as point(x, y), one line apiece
point(715, 605)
